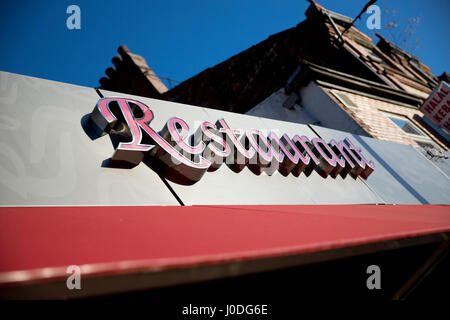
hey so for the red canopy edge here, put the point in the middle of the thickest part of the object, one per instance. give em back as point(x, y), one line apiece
point(39, 243)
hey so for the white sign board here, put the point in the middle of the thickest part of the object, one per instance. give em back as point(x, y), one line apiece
point(437, 107)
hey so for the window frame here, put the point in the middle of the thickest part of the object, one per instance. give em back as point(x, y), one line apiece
point(425, 138)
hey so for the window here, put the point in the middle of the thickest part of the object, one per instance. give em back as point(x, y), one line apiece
point(414, 132)
point(406, 126)
point(345, 99)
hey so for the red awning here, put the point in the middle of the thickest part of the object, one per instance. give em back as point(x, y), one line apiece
point(39, 243)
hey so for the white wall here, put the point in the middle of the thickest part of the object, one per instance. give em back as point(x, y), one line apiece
point(318, 103)
point(316, 107)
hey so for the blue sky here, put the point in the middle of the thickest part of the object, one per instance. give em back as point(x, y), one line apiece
point(177, 38)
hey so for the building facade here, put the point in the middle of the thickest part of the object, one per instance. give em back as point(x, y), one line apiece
point(368, 89)
point(298, 165)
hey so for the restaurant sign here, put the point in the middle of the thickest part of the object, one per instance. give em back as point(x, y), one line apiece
point(184, 158)
point(437, 107)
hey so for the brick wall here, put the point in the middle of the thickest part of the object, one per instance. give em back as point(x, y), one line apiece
point(369, 115)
